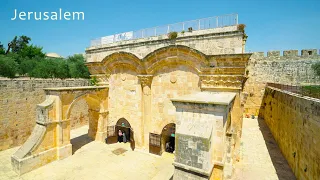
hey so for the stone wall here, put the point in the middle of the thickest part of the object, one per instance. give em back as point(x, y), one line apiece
point(226, 40)
point(295, 124)
point(125, 101)
point(79, 114)
point(18, 100)
point(289, 68)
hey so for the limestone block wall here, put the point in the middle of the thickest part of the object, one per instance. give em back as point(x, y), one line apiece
point(289, 68)
point(226, 40)
point(79, 114)
point(295, 124)
point(167, 83)
point(125, 100)
point(18, 100)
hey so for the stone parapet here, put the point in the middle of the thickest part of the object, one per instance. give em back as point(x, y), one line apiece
point(226, 40)
point(305, 54)
point(294, 121)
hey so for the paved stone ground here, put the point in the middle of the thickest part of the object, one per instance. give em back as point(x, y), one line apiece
point(260, 155)
point(95, 160)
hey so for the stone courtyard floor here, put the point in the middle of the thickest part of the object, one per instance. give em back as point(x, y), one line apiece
point(260, 159)
point(260, 156)
point(94, 161)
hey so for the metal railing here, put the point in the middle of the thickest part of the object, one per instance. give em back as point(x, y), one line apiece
point(193, 25)
point(310, 91)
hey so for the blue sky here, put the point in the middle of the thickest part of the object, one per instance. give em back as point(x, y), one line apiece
point(271, 24)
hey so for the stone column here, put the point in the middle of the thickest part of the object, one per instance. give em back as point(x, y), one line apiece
point(64, 147)
point(145, 81)
point(93, 122)
point(102, 126)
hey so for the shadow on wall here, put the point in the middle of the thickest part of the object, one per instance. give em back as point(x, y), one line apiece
point(280, 164)
point(79, 141)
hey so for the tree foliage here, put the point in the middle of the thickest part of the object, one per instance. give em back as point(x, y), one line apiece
point(316, 68)
point(8, 66)
point(23, 59)
point(77, 67)
point(2, 50)
point(18, 43)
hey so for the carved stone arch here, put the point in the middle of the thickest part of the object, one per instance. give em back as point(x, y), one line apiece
point(124, 59)
point(164, 124)
point(93, 101)
point(175, 54)
point(172, 62)
point(76, 99)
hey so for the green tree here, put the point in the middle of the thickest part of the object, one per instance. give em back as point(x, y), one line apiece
point(18, 43)
point(316, 68)
point(2, 50)
point(31, 51)
point(77, 68)
point(62, 70)
point(8, 67)
point(44, 69)
point(27, 66)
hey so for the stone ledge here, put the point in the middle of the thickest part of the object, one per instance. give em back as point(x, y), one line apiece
point(218, 98)
point(76, 88)
point(193, 169)
point(156, 39)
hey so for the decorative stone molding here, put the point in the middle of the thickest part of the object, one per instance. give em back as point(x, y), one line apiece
point(145, 80)
point(173, 79)
point(43, 110)
point(222, 81)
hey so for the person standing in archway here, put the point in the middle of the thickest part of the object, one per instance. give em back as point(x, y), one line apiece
point(124, 137)
point(120, 136)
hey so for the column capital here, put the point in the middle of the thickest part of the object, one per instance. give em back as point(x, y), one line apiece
point(145, 80)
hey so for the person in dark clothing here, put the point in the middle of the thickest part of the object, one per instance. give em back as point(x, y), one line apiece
point(124, 137)
point(120, 136)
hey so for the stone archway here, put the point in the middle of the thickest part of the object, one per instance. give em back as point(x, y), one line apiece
point(50, 139)
point(168, 138)
point(124, 125)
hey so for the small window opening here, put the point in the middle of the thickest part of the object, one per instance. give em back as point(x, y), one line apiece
point(310, 52)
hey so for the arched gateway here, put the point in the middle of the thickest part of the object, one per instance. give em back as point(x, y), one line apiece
point(124, 126)
point(176, 98)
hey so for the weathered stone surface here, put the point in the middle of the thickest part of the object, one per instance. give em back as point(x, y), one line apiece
point(201, 133)
point(294, 122)
point(290, 69)
point(18, 99)
point(50, 139)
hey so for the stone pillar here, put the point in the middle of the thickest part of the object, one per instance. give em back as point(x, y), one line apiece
point(102, 126)
point(145, 81)
point(64, 147)
point(93, 122)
